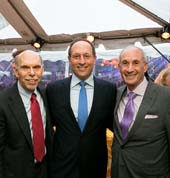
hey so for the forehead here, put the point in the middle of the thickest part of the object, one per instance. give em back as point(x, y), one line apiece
point(81, 46)
point(29, 57)
point(132, 54)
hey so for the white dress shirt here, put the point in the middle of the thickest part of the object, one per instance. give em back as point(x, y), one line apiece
point(140, 91)
point(75, 90)
point(26, 98)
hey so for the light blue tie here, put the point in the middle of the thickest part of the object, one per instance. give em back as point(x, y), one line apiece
point(82, 106)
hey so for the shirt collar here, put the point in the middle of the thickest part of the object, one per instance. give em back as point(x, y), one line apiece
point(24, 92)
point(140, 89)
point(75, 80)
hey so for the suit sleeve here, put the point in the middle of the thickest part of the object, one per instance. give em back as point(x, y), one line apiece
point(167, 125)
point(112, 105)
point(2, 142)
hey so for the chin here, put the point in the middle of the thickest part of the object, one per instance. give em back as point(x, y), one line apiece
point(82, 77)
point(31, 89)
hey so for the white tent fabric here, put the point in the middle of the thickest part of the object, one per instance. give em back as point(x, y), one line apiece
point(57, 23)
point(80, 16)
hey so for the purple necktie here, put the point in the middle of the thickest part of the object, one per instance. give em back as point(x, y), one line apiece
point(128, 115)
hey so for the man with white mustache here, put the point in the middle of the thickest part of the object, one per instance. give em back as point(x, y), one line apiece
point(17, 150)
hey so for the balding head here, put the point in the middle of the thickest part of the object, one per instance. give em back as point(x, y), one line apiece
point(26, 54)
point(133, 48)
point(28, 69)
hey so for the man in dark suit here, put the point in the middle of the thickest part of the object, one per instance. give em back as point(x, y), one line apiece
point(17, 159)
point(144, 150)
point(81, 152)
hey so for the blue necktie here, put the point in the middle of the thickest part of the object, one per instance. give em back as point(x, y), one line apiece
point(82, 106)
point(128, 115)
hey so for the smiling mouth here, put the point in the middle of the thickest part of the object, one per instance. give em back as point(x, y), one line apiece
point(31, 80)
point(82, 68)
point(130, 75)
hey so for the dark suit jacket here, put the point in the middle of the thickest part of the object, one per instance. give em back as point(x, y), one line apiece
point(76, 154)
point(146, 151)
point(16, 151)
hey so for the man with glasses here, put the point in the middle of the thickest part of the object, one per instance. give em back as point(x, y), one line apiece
point(81, 108)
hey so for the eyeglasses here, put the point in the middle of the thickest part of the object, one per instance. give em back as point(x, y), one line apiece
point(78, 56)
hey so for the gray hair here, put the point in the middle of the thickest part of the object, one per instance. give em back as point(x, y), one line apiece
point(16, 55)
point(133, 47)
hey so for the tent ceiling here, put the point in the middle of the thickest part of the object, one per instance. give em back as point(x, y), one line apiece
point(30, 19)
point(158, 11)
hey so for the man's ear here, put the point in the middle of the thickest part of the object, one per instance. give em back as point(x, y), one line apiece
point(15, 70)
point(68, 58)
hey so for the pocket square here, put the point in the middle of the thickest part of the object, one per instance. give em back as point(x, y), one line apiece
point(149, 116)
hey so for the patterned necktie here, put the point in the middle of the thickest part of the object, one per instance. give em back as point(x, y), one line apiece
point(128, 115)
point(37, 129)
point(82, 106)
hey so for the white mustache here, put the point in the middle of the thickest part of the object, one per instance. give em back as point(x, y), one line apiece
point(31, 79)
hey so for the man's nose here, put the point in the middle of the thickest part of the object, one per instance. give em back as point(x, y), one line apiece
point(32, 72)
point(130, 67)
point(82, 60)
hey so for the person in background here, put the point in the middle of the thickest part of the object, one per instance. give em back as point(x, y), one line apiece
point(164, 77)
point(80, 149)
point(141, 145)
point(19, 155)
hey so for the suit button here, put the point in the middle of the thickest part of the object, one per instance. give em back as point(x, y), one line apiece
point(122, 146)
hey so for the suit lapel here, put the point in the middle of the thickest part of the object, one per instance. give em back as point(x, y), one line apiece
point(147, 101)
point(48, 129)
point(66, 94)
point(97, 94)
point(18, 110)
point(116, 119)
